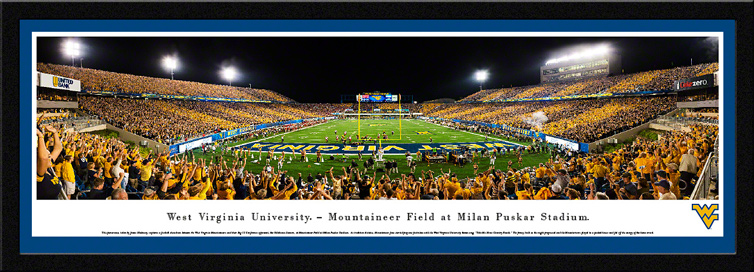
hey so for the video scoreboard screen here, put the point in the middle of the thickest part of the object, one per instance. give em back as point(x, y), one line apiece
point(378, 97)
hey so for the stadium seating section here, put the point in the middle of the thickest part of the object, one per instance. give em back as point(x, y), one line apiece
point(97, 80)
point(629, 83)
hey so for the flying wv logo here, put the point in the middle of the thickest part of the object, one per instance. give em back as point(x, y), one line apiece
point(706, 213)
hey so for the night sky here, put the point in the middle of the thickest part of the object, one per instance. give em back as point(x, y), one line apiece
point(321, 69)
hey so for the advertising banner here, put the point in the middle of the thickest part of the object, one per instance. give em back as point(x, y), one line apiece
point(59, 82)
point(193, 144)
point(567, 144)
point(694, 83)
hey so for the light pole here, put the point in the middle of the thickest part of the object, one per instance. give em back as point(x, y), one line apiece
point(72, 49)
point(481, 76)
point(229, 74)
point(170, 63)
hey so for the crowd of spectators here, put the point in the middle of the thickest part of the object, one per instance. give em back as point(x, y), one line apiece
point(504, 134)
point(83, 166)
point(94, 80)
point(698, 97)
point(629, 83)
point(51, 116)
point(322, 109)
point(579, 120)
point(55, 95)
point(172, 121)
point(158, 120)
point(707, 110)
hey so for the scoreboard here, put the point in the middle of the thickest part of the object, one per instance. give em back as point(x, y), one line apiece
point(378, 97)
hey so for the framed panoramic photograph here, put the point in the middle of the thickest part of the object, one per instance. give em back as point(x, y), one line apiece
point(386, 136)
point(457, 121)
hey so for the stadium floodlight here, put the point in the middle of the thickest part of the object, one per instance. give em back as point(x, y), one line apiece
point(73, 49)
point(229, 74)
point(589, 53)
point(601, 50)
point(481, 76)
point(170, 63)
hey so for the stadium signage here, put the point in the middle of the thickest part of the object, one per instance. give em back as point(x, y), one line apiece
point(194, 144)
point(378, 97)
point(355, 149)
point(567, 144)
point(699, 82)
point(58, 82)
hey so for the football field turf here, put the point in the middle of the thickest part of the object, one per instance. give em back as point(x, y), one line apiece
point(414, 132)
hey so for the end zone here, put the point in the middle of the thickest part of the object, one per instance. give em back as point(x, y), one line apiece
point(390, 149)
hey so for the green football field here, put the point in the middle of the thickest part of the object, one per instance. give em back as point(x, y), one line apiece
point(413, 132)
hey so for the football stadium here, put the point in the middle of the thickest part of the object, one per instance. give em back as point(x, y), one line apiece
point(587, 129)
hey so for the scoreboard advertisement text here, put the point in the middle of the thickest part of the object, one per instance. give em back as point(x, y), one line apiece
point(693, 83)
point(378, 97)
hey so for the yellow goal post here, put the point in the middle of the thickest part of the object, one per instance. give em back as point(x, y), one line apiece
point(400, 119)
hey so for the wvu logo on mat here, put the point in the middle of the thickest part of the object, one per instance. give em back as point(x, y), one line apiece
point(422, 132)
point(376, 125)
point(706, 213)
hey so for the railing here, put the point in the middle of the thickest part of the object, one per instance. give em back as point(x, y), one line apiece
point(709, 172)
point(64, 120)
point(685, 122)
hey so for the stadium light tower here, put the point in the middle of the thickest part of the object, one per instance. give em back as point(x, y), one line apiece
point(588, 53)
point(170, 63)
point(481, 76)
point(229, 74)
point(72, 49)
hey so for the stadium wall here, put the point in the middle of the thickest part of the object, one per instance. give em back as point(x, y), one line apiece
point(667, 128)
point(708, 114)
point(620, 136)
point(93, 128)
point(128, 136)
point(47, 104)
point(698, 104)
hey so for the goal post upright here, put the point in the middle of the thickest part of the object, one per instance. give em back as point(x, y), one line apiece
point(400, 119)
point(358, 115)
